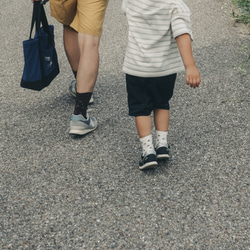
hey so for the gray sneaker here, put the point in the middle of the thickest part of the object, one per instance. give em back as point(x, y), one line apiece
point(81, 126)
point(72, 91)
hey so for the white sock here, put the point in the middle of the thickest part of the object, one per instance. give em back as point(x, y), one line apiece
point(147, 145)
point(161, 139)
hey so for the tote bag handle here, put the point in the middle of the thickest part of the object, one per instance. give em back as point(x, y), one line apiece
point(39, 17)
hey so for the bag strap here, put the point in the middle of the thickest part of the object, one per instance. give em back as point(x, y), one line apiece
point(46, 25)
point(44, 20)
point(44, 2)
point(39, 17)
point(36, 17)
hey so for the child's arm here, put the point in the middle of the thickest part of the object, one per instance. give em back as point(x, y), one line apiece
point(192, 73)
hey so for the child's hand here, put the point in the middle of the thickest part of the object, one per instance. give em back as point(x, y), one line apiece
point(193, 78)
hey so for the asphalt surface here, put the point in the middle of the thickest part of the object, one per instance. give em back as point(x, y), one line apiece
point(59, 192)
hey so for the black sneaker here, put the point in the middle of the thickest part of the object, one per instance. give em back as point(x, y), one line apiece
point(162, 153)
point(148, 162)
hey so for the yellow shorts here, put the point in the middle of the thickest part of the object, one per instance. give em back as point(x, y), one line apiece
point(84, 16)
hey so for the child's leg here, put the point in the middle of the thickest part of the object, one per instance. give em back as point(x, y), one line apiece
point(140, 107)
point(161, 119)
point(162, 93)
point(144, 128)
point(144, 125)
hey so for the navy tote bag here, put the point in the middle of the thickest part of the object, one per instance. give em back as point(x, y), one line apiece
point(40, 57)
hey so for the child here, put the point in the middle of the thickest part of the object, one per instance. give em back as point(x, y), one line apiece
point(159, 43)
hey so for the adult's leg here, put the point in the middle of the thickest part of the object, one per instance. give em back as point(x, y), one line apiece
point(88, 22)
point(72, 50)
point(70, 39)
point(65, 12)
point(87, 72)
point(88, 62)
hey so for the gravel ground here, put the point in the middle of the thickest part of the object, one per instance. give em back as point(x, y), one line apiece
point(59, 192)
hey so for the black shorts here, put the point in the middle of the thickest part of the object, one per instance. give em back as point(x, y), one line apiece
point(147, 94)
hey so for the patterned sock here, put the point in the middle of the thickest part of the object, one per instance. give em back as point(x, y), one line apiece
point(147, 145)
point(161, 139)
point(81, 103)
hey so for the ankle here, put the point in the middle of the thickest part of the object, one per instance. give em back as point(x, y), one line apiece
point(81, 103)
point(161, 139)
point(147, 145)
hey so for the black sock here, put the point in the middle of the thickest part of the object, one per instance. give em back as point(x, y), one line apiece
point(75, 73)
point(82, 102)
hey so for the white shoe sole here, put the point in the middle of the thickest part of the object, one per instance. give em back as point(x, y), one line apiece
point(77, 131)
point(162, 157)
point(149, 165)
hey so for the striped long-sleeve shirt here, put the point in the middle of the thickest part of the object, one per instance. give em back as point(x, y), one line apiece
point(153, 26)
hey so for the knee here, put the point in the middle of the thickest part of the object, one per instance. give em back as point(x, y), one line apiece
point(88, 42)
